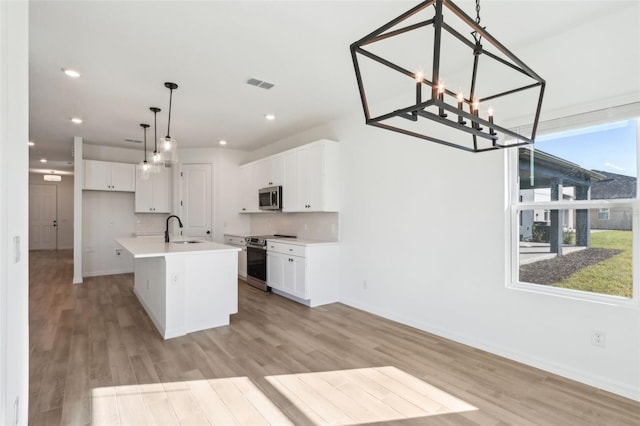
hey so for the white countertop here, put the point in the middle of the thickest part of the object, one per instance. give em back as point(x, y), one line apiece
point(301, 241)
point(155, 246)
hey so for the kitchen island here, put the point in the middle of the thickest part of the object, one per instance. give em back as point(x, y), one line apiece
point(184, 286)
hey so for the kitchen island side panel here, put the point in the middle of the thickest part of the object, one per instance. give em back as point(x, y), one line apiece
point(212, 293)
point(150, 288)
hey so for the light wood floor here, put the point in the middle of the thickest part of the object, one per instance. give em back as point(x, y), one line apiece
point(95, 340)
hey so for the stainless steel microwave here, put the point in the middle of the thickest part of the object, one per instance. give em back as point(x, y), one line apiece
point(270, 198)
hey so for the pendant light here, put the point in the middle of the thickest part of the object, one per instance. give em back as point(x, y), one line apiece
point(157, 160)
point(144, 168)
point(169, 146)
point(437, 102)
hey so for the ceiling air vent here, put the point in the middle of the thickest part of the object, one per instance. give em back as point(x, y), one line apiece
point(132, 141)
point(259, 83)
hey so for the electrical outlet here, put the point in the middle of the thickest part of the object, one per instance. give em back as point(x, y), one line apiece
point(118, 252)
point(598, 338)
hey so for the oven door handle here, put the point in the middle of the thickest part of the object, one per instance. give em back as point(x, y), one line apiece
point(256, 247)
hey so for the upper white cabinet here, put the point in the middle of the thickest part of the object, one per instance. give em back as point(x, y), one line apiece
point(248, 193)
point(153, 195)
point(109, 176)
point(309, 176)
point(256, 175)
point(268, 172)
point(311, 182)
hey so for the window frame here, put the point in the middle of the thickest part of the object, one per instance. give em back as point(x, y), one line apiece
point(514, 208)
point(604, 210)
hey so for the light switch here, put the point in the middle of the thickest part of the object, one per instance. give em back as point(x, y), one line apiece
point(16, 249)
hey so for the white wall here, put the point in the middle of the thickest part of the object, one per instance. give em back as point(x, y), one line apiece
point(64, 207)
point(433, 253)
point(14, 212)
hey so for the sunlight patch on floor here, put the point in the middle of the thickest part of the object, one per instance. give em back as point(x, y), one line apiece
point(365, 395)
point(229, 401)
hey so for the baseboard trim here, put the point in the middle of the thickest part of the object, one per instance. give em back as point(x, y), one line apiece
point(107, 272)
point(563, 370)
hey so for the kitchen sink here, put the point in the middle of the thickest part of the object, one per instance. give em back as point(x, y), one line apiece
point(187, 242)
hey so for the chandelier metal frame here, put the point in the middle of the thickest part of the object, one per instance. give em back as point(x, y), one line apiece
point(464, 110)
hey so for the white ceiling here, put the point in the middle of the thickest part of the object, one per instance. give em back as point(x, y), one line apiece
point(126, 51)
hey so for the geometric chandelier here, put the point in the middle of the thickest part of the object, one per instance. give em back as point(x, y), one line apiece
point(434, 73)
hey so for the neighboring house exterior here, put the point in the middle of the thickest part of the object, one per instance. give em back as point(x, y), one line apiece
point(613, 186)
point(545, 177)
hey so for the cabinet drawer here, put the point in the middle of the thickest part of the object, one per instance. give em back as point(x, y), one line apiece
point(292, 249)
point(237, 241)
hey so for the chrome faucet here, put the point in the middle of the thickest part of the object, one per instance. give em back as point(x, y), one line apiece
point(166, 230)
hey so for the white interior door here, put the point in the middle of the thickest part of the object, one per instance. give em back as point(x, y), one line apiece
point(195, 190)
point(43, 216)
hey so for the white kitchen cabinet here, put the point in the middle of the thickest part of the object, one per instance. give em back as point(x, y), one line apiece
point(286, 273)
point(275, 270)
point(305, 273)
point(257, 175)
point(248, 192)
point(109, 176)
point(309, 176)
point(268, 172)
point(153, 195)
point(238, 241)
point(311, 181)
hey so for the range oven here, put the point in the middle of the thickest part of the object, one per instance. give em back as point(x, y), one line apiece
point(257, 260)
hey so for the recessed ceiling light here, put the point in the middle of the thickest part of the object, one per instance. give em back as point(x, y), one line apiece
point(70, 72)
point(43, 160)
point(270, 117)
point(222, 142)
point(76, 120)
point(31, 143)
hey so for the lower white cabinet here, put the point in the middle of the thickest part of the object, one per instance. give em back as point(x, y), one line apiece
point(238, 241)
point(287, 273)
point(306, 273)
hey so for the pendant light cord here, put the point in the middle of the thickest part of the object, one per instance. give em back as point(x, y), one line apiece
point(155, 128)
point(155, 132)
point(169, 121)
point(145, 143)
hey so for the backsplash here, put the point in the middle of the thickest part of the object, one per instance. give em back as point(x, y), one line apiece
point(150, 224)
point(310, 226)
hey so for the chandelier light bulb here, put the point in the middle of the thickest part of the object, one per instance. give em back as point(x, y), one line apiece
point(419, 76)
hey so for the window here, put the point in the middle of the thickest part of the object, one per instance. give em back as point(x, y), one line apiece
point(603, 214)
point(574, 211)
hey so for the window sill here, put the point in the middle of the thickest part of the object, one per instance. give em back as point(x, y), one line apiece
point(577, 295)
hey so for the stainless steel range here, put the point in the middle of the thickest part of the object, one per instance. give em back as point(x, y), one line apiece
point(257, 259)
